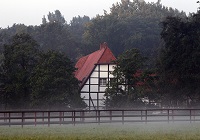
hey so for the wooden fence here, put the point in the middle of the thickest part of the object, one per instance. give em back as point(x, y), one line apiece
point(97, 116)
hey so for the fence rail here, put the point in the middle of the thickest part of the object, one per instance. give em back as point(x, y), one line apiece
point(97, 116)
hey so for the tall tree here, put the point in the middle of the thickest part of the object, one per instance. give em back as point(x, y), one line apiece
point(44, 20)
point(31, 78)
point(58, 37)
point(20, 57)
point(77, 26)
point(130, 24)
point(122, 91)
point(53, 84)
point(56, 17)
point(180, 64)
point(77, 29)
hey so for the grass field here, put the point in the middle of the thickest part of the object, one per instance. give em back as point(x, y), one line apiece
point(137, 131)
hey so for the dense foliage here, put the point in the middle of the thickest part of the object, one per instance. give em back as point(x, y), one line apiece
point(52, 34)
point(122, 91)
point(20, 58)
point(53, 83)
point(176, 81)
point(127, 25)
point(29, 68)
point(180, 64)
point(130, 25)
point(33, 79)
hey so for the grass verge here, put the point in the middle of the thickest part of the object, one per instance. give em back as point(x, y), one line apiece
point(134, 131)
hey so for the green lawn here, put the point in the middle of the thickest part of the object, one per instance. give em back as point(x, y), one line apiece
point(150, 131)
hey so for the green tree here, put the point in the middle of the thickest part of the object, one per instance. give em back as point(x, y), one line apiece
point(179, 62)
point(77, 26)
point(53, 84)
point(130, 24)
point(31, 78)
point(20, 57)
point(56, 17)
point(55, 36)
point(122, 91)
point(50, 36)
point(44, 20)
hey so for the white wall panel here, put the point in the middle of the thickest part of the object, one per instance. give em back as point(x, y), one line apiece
point(94, 89)
point(94, 80)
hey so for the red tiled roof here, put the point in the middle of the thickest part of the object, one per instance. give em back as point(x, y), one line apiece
point(86, 64)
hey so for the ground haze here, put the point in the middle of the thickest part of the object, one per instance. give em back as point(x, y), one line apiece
point(150, 131)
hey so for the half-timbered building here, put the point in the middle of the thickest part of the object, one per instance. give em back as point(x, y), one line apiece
point(94, 74)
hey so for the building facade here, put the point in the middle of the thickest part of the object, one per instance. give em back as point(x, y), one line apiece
point(94, 73)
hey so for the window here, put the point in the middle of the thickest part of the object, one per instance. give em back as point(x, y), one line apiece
point(102, 81)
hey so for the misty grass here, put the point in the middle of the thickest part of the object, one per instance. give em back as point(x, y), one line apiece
point(151, 131)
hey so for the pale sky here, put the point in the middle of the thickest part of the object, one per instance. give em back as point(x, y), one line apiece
point(30, 12)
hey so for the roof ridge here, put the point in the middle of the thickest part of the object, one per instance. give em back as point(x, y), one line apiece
point(102, 54)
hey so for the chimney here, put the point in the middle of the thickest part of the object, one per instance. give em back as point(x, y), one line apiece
point(103, 45)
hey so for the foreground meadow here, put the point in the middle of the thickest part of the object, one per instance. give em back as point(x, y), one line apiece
point(136, 131)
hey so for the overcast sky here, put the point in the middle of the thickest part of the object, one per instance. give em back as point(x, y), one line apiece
point(30, 12)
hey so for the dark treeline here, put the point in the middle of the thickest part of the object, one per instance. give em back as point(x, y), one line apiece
point(31, 78)
point(52, 34)
point(127, 25)
point(135, 25)
point(173, 82)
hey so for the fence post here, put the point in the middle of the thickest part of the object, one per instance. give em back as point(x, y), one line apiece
point(190, 115)
point(9, 118)
point(141, 115)
point(5, 115)
point(60, 115)
point(74, 116)
point(22, 119)
point(63, 117)
point(35, 118)
point(145, 116)
point(43, 118)
point(168, 115)
point(173, 116)
point(122, 116)
point(48, 118)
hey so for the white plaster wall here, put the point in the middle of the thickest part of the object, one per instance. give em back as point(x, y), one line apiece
point(94, 88)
